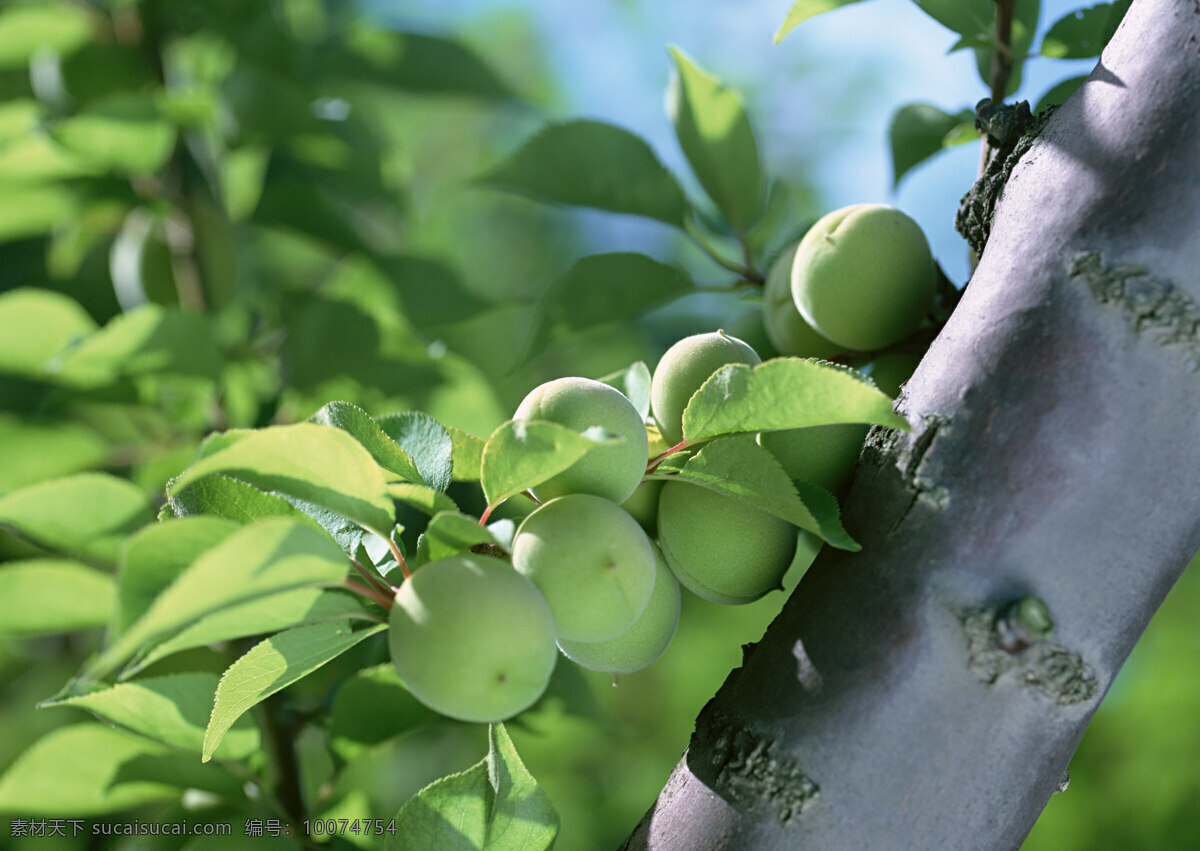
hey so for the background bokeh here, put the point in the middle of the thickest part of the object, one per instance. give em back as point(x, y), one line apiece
point(338, 246)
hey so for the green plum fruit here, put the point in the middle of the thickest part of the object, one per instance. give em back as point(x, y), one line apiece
point(643, 642)
point(643, 504)
point(591, 561)
point(472, 638)
point(612, 472)
point(892, 369)
point(750, 328)
point(683, 368)
point(863, 276)
point(786, 329)
point(719, 548)
point(824, 455)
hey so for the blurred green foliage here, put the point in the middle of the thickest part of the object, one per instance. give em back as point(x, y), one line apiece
point(226, 214)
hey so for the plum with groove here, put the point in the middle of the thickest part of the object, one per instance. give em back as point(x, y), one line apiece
point(612, 472)
point(863, 276)
point(788, 331)
point(591, 561)
point(683, 368)
point(472, 638)
point(643, 642)
point(719, 548)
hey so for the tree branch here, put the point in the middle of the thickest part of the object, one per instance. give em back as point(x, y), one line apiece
point(895, 702)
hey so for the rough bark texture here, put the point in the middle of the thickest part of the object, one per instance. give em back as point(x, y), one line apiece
point(902, 700)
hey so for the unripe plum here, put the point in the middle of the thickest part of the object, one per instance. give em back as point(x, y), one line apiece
point(787, 330)
point(719, 548)
point(612, 472)
point(863, 276)
point(683, 368)
point(643, 642)
point(892, 369)
point(824, 455)
point(472, 638)
point(591, 561)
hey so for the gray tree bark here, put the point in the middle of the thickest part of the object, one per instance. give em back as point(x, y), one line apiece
point(914, 695)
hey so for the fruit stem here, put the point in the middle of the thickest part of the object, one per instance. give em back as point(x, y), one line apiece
point(399, 556)
point(370, 593)
point(372, 581)
point(652, 465)
point(1001, 68)
point(746, 272)
point(487, 512)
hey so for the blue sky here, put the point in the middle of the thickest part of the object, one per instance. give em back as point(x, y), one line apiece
point(822, 97)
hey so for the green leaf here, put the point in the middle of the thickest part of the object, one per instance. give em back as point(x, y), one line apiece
point(426, 441)
point(738, 467)
point(371, 707)
point(147, 339)
point(32, 452)
point(602, 289)
point(466, 455)
point(317, 463)
point(26, 28)
point(154, 557)
point(385, 450)
point(87, 515)
point(920, 130)
point(418, 63)
point(173, 709)
point(1059, 92)
point(124, 132)
point(1081, 34)
point(784, 393)
point(53, 595)
point(716, 137)
point(261, 616)
point(495, 805)
point(520, 455)
point(221, 496)
point(271, 666)
point(269, 557)
point(802, 10)
point(426, 500)
point(450, 532)
point(35, 325)
point(33, 211)
point(77, 771)
point(1024, 26)
point(634, 382)
point(971, 19)
point(592, 164)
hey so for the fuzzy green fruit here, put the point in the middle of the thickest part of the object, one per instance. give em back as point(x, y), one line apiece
point(719, 548)
point(643, 642)
point(786, 329)
point(683, 368)
point(890, 370)
point(591, 561)
point(863, 276)
point(472, 638)
point(824, 455)
point(612, 472)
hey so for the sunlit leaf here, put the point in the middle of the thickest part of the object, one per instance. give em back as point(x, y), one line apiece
point(496, 805)
point(920, 130)
point(634, 382)
point(88, 514)
point(172, 709)
point(35, 325)
point(784, 393)
point(53, 595)
point(802, 10)
point(716, 137)
point(271, 666)
point(522, 454)
point(317, 463)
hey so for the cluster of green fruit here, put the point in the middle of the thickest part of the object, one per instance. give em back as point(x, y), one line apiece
point(477, 638)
